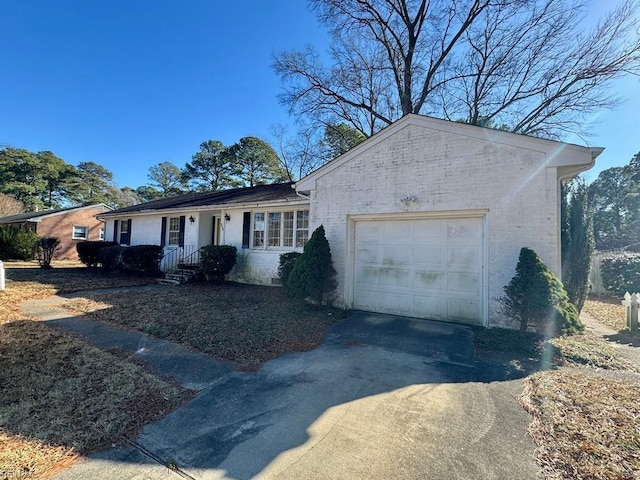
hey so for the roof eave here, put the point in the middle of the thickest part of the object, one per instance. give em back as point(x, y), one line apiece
point(202, 208)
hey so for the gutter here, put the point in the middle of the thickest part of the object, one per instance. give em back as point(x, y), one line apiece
point(568, 175)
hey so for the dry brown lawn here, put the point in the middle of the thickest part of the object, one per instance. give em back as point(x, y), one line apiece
point(245, 324)
point(62, 397)
point(585, 426)
point(587, 413)
point(608, 310)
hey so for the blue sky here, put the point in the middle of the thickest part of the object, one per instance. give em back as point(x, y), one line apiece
point(132, 83)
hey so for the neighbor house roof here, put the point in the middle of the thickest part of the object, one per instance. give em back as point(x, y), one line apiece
point(278, 192)
point(570, 159)
point(37, 216)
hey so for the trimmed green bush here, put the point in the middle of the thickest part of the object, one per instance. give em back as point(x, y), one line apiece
point(216, 261)
point(536, 298)
point(88, 252)
point(621, 273)
point(138, 259)
point(17, 244)
point(110, 257)
point(141, 259)
point(313, 274)
point(45, 250)
point(287, 261)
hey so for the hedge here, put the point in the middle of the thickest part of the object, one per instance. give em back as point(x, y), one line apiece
point(88, 252)
point(621, 273)
point(139, 259)
point(17, 244)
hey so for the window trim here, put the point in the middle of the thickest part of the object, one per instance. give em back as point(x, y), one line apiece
point(281, 235)
point(86, 232)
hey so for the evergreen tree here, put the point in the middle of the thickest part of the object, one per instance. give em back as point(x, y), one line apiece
point(313, 274)
point(536, 298)
point(577, 242)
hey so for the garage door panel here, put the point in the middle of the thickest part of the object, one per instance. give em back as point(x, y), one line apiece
point(368, 254)
point(397, 303)
point(429, 268)
point(395, 279)
point(367, 276)
point(396, 254)
point(370, 229)
point(429, 231)
point(396, 232)
point(464, 231)
point(368, 298)
point(432, 307)
point(463, 311)
point(467, 283)
point(464, 258)
point(431, 255)
point(427, 280)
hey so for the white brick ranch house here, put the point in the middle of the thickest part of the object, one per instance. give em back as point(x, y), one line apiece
point(426, 218)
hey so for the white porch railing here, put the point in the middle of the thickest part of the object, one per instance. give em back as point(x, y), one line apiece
point(175, 257)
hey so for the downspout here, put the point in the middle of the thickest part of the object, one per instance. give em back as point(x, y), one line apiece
point(301, 195)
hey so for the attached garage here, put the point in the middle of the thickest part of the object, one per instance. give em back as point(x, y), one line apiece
point(427, 217)
point(420, 267)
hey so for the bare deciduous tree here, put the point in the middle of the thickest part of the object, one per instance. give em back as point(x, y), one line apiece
point(528, 66)
point(299, 154)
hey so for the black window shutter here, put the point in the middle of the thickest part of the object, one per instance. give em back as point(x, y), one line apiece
point(246, 229)
point(129, 232)
point(163, 232)
point(213, 231)
point(115, 231)
point(181, 233)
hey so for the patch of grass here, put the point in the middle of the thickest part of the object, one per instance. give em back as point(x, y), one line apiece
point(246, 324)
point(584, 426)
point(608, 310)
point(590, 350)
point(60, 396)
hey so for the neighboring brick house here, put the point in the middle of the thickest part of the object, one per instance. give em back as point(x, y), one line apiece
point(69, 225)
point(425, 219)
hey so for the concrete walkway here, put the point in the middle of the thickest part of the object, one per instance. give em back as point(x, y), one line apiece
point(626, 345)
point(382, 397)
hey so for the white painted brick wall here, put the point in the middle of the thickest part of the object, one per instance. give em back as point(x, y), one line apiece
point(447, 172)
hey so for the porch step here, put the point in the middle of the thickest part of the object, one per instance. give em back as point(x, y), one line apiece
point(178, 277)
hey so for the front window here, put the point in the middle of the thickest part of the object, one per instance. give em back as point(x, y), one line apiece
point(101, 234)
point(258, 230)
point(80, 233)
point(174, 231)
point(280, 229)
point(302, 228)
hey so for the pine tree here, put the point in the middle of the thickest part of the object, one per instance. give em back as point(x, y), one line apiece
point(536, 298)
point(313, 274)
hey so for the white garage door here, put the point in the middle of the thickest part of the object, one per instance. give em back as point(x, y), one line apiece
point(427, 268)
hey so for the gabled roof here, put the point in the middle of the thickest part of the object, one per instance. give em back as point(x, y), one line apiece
point(277, 192)
point(37, 216)
point(569, 158)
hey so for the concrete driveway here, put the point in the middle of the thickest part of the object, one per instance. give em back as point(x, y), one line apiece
point(383, 397)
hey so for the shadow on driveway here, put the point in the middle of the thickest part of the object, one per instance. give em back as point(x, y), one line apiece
point(382, 397)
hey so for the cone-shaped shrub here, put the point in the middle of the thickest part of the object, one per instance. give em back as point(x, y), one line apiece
point(313, 274)
point(536, 298)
